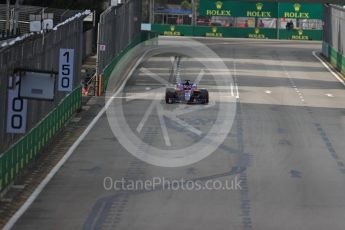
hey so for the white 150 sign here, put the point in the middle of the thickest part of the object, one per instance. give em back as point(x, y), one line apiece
point(66, 70)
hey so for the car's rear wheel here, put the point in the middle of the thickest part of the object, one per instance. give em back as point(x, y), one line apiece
point(204, 96)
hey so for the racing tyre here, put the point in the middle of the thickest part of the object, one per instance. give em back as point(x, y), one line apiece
point(204, 96)
point(170, 95)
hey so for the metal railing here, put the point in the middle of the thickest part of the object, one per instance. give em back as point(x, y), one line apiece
point(26, 149)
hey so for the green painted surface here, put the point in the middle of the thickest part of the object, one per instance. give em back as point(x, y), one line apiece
point(20, 154)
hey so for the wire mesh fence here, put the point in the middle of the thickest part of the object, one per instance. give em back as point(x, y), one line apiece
point(38, 52)
point(118, 27)
point(24, 12)
point(334, 27)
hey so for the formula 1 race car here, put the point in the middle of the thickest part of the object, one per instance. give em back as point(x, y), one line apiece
point(186, 93)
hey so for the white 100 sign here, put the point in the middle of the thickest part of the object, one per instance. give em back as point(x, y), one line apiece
point(66, 70)
point(16, 109)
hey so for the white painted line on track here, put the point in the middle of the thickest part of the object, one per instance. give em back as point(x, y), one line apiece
point(52, 173)
point(329, 69)
point(185, 125)
point(237, 92)
point(293, 83)
point(146, 84)
point(163, 126)
point(172, 59)
point(232, 90)
point(185, 110)
point(146, 116)
point(154, 76)
point(9, 225)
point(178, 70)
point(199, 77)
point(235, 81)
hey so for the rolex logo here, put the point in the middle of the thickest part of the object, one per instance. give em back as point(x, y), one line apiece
point(219, 5)
point(300, 32)
point(172, 28)
point(257, 30)
point(297, 7)
point(214, 29)
point(259, 6)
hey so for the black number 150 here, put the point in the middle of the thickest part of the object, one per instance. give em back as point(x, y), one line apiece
point(66, 71)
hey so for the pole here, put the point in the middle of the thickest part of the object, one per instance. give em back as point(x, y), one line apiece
point(7, 15)
point(193, 13)
point(152, 15)
point(97, 57)
point(16, 16)
point(278, 22)
point(192, 2)
point(42, 26)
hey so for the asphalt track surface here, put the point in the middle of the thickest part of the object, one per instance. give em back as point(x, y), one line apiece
point(286, 146)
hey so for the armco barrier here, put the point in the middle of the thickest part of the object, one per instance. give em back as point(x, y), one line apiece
point(19, 155)
point(108, 70)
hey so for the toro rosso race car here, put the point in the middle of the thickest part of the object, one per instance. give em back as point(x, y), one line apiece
point(186, 93)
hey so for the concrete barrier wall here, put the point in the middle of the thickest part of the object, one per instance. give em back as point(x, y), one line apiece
point(333, 47)
point(230, 32)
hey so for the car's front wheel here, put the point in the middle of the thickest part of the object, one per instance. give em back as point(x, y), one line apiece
point(170, 95)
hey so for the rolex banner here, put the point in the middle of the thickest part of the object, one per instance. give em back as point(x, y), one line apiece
point(233, 32)
point(216, 8)
point(299, 10)
point(238, 9)
point(262, 9)
point(257, 9)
